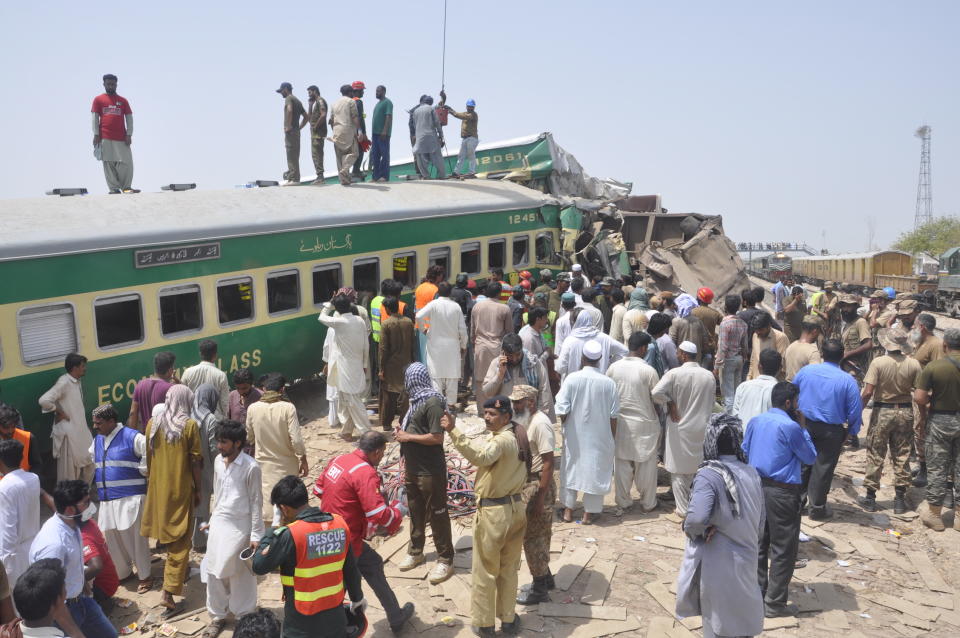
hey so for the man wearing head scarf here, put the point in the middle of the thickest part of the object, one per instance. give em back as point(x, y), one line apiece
point(718, 577)
point(516, 366)
point(687, 326)
point(503, 464)
point(689, 395)
point(635, 317)
point(205, 405)
point(584, 330)
point(425, 473)
point(588, 406)
point(490, 320)
point(173, 490)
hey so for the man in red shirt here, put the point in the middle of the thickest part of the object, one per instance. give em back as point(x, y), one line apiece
point(98, 566)
point(112, 136)
point(350, 487)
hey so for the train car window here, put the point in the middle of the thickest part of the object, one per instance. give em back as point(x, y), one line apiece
point(47, 333)
point(235, 300)
point(470, 258)
point(366, 274)
point(405, 269)
point(283, 291)
point(440, 257)
point(327, 279)
point(545, 252)
point(496, 253)
point(180, 310)
point(521, 250)
point(119, 320)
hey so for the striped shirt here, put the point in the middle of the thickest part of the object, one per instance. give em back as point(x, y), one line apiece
point(733, 338)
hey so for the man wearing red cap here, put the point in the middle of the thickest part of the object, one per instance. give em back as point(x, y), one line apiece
point(363, 143)
point(710, 318)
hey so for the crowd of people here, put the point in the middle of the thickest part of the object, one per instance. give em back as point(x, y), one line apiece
point(344, 124)
point(747, 409)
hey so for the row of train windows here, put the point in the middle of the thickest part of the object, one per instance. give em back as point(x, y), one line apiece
point(49, 332)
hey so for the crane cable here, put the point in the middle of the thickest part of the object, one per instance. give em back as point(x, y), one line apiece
point(443, 57)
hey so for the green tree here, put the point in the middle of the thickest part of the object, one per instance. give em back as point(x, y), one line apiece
point(934, 237)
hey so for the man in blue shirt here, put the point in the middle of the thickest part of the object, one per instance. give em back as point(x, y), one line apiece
point(829, 398)
point(776, 446)
point(59, 538)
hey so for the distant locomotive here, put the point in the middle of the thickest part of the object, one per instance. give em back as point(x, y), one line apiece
point(771, 267)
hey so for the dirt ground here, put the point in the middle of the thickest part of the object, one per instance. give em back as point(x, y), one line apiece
point(860, 578)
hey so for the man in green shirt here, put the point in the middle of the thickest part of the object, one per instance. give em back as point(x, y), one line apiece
point(382, 127)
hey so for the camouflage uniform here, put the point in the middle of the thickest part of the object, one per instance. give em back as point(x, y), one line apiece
point(536, 540)
point(943, 454)
point(891, 427)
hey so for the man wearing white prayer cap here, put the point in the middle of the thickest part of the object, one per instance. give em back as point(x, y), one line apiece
point(588, 405)
point(689, 393)
point(577, 271)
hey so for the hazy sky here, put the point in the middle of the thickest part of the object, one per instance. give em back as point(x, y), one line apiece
point(789, 120)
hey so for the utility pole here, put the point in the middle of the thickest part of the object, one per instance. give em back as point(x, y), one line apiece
point(924, 212)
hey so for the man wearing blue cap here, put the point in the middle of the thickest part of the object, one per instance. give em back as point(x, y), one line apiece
point(468, 141)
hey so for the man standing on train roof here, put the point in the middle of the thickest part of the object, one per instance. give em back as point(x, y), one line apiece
point(71, 435)
point(382, 129)
point(358, 89)
point(427, 138)
point(294, 119)
point(112, 136)
point(467, 157)
point(345, 122)
point(317, 114)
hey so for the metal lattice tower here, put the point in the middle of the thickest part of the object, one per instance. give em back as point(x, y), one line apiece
point(924, 212)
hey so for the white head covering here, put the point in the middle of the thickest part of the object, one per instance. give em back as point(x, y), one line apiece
point(688, 346)
point(592, 350)
point(577, 268)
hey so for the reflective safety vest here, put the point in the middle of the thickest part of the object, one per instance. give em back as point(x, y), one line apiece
point(24, 437)
point(317, 580)
point(546, 333)
point(117, 473)
point(376, 309)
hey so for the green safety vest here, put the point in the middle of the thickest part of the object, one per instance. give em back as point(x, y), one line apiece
point(375, 317)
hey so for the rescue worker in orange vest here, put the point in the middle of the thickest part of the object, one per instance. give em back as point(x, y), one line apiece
point(10, 429)
point(317, 565)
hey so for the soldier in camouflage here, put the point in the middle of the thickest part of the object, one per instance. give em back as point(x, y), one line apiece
point(889, 381)
point(938, 395)
point(539, 493)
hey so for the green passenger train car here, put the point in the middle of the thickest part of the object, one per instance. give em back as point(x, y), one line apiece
point(118, 278)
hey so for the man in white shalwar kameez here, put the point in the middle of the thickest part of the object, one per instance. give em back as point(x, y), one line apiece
point(638, 426)
point(584, 330)
point(71, 436)
point(236, 526)
point(119, 518)
point(347, 367)
point(588, 406)
point(20, 497)
point(689, 393)
point(446, 341)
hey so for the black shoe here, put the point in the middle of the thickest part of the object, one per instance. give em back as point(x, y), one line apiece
point(854, 442)
point(920, 480)
point(483, 631)
point(900, 501)
point(537, 593)
point(407, 611)
point(779, 612)
point(868, 502)
point(820, 513)
point(114, 191)
point(511, 628)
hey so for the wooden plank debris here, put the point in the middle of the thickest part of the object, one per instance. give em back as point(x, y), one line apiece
point(835, 619)
point(769, 624)
point(864, 547)
point(928, 572)
point(663, 627)
point(905, 606)
point(838, 545)
point(599, 582)
point(394, 544)
point(604, 628)
point(931, 600)
point(459, 593)
point(662, 595)
point(574, 610)
point(673, 542)
point(568, 566)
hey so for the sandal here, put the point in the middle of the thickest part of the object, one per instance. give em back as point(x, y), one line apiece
point(214, 628)
point(145, 585)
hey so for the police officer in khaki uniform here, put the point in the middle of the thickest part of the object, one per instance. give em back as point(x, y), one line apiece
point(503, 463)
point(889, 381)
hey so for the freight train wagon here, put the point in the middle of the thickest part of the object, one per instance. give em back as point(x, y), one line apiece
point(863, 272)
point(119, 277)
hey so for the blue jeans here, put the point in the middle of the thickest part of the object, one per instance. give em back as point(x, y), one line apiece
point(90, 618)
point(380, 157)
point(731, 374)
point(467, 156)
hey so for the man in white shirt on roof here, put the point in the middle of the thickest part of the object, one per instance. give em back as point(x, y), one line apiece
point(71, 436)
point(207, 372)
point(753, 397)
